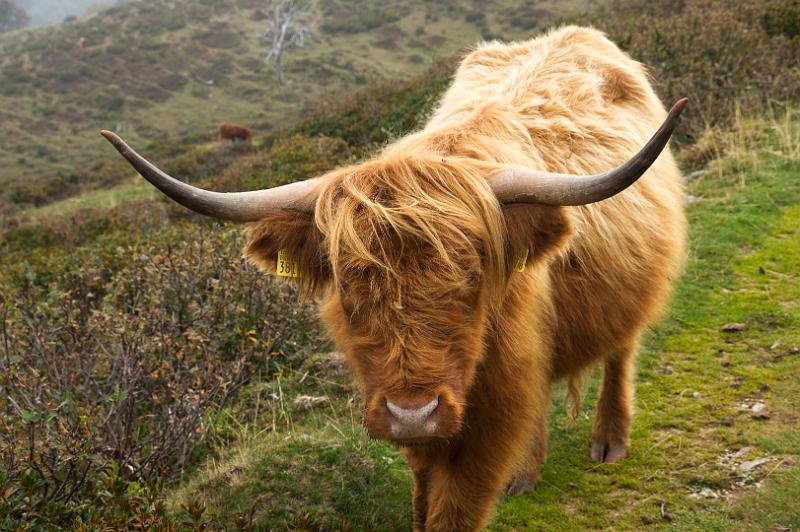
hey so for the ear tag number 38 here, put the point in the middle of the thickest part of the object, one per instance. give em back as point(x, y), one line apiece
point(520, 261)
point(287, 266)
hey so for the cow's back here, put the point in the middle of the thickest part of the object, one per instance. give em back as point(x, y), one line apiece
point(587, 107)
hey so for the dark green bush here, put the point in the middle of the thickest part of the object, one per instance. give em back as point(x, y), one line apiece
point(27, 237)
point(372, 116)
point(299, 157)
point(782, 18)
point(361, 20)
point(44, 188)
point(475, 17)
point(200, 165)
point(16, 74)
point(719, 53)
point(288, 159)
point(111, 102)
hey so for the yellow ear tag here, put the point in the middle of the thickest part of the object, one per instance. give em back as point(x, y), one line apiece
point(288, 267)
point(520, 261)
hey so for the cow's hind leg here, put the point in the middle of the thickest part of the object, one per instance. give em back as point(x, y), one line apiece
point(612, 424)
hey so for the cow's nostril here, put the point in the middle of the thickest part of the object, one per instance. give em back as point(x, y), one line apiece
point(412, 417)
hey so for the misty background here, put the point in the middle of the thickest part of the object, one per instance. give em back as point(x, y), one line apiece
point(46, 11)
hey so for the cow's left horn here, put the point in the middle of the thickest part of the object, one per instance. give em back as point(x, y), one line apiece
point(523, 185)
point(239, 206)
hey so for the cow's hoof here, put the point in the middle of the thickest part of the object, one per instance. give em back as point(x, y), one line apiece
point(608, 453)
point(521, 484)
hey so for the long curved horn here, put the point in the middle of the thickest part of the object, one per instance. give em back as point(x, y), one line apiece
point(238, 206)
point(523, 185)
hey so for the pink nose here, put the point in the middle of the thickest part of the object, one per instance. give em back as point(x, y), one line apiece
point(412, 422)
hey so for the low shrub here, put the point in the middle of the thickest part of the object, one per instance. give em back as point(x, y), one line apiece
point(782, 18)
point(26, 237)
point(199, 165)
point(289, 159)
point(475, 17)
point(372, 116)
point(720, 53)
point(359, 21)
point(42, 189)
point(112, 366)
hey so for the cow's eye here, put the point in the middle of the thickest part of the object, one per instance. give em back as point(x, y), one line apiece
point(473, 278)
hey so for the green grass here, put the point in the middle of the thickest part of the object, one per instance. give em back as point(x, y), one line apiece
point(98, 199)
point(291, 466)
point(282, 466)
point(694, 380)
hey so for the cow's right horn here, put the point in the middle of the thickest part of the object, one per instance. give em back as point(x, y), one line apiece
point(239, 206)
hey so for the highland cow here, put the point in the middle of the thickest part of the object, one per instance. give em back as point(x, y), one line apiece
point(463, 270)
point(234, 133)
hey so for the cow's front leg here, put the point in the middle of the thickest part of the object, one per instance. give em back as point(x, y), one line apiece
point(614, 408)
point(463, 485)
point(530, 473)
point(461, 497)
point(421, 492)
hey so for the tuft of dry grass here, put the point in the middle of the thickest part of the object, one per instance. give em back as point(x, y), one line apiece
point(736, 148)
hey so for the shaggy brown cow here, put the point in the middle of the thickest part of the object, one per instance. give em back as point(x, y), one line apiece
point(470, 265)
point(235, 133)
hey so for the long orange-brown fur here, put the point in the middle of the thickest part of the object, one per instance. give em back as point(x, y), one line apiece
point(413, 257)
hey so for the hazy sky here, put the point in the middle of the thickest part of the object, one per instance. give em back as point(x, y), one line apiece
point(45, 11)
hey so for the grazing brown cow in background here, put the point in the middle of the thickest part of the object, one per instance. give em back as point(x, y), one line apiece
point(472, 264)
point(235, 133)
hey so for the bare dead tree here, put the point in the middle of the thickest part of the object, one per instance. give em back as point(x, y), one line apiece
point(285, 30)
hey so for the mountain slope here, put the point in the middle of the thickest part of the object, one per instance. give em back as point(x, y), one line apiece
point(174, 69)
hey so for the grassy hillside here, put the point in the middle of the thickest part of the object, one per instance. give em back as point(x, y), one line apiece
point(151, 378)
point(703, 455)
point(163, 69)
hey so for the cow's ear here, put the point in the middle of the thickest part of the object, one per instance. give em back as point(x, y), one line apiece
point(535, 233)
point(289, 244)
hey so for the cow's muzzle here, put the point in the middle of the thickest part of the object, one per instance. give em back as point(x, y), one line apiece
point(413, 418)
point(411, 422)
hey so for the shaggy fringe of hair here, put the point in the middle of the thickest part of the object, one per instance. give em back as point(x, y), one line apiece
point(375, 213)
point(575, 387)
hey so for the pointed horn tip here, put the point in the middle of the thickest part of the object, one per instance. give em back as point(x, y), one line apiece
point(114, 139)
point(679, 105)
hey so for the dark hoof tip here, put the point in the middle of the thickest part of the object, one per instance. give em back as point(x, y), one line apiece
point(608, 453)
point(520, 485)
